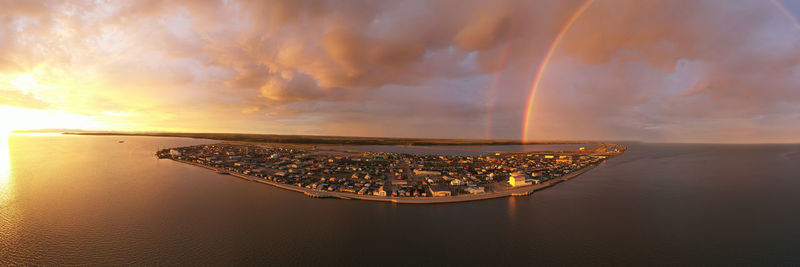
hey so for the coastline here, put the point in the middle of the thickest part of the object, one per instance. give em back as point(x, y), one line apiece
point(516, 192)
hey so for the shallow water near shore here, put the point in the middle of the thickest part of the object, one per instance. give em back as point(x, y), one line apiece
point(92, 200)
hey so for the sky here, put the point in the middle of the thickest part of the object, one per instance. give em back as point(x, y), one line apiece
point(660, 71)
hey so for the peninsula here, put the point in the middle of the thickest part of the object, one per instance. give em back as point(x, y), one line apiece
point(393, 177)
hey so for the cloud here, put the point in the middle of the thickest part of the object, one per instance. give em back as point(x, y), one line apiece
point(19, 99)
point(642, 69)
point(660, 70)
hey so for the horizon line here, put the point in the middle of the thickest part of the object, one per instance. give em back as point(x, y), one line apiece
point(78, 131)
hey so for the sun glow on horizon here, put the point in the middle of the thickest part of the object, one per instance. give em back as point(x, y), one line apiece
point(43, 98)
point(33, 119)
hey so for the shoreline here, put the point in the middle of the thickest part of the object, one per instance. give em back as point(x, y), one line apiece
point(516, 192)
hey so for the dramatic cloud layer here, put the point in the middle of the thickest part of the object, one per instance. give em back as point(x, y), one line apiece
point(698, 71)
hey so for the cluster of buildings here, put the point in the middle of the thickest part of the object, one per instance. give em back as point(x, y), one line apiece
point(380, 173)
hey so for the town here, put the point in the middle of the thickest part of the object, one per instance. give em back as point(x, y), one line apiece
point(382, 174)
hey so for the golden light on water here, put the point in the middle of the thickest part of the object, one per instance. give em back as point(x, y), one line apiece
point(512, 208)
point(6, 183)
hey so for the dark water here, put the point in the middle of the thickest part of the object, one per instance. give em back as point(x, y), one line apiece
point(91, 200)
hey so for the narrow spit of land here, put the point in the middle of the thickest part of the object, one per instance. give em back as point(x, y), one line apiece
point(294, 162)
point(393, 177)
point(515, 192)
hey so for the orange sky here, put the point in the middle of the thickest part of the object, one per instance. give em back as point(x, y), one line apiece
point(715, 71)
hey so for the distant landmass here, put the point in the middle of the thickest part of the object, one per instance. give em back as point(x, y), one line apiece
point(50, 130)
point(336, 140)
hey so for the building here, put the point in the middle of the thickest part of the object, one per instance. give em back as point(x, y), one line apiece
point(475, 190)
point(518, 179)
point(421, 172)
point(174, 153)
point(439, 191)
point(564, 159)
point(381, 192)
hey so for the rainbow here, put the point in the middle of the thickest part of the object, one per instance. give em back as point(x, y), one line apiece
point(786, 12)
point(545, 61)
point(557, 41)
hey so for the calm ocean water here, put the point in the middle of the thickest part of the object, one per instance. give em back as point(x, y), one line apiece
point(91, 200)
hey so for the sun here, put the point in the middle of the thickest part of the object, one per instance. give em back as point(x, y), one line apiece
point(25, 83)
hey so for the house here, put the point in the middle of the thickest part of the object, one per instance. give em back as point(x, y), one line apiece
point(381, 192)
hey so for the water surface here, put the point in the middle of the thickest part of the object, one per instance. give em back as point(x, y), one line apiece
point(91, 200)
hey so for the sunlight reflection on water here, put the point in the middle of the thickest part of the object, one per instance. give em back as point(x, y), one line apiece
point(6, 188)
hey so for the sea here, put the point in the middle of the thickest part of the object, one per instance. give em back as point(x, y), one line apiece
point(92, 200)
